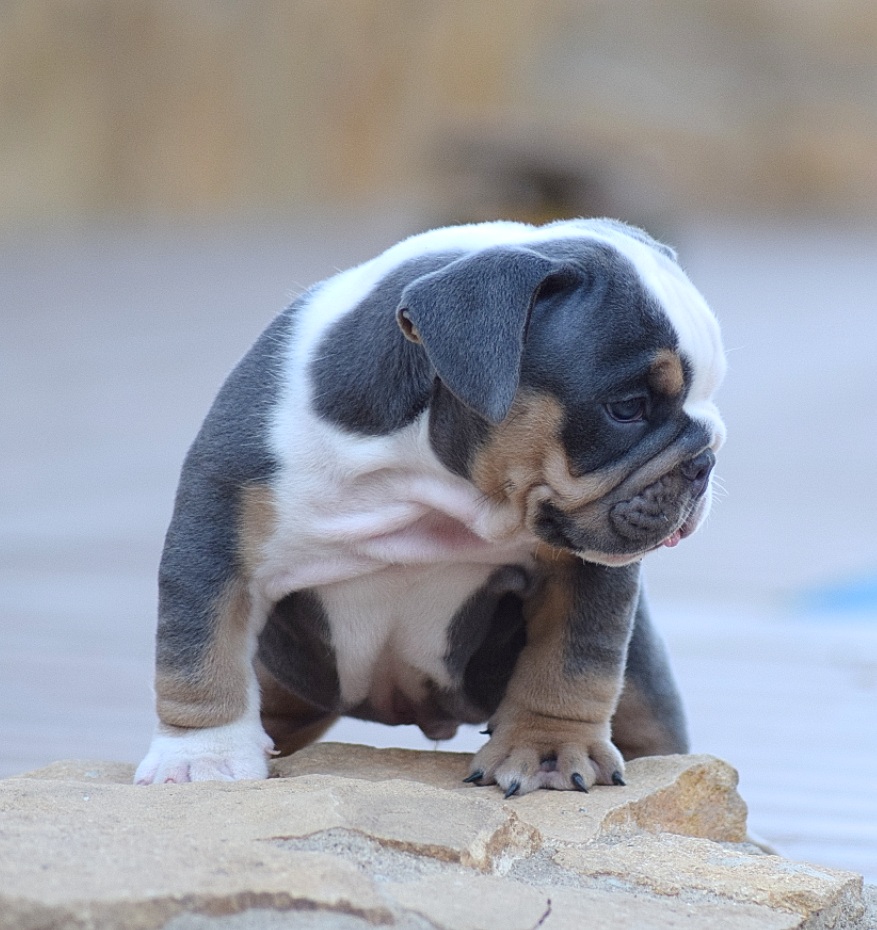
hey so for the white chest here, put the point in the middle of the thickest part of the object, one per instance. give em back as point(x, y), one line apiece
point(390, 629)
point(393, 545)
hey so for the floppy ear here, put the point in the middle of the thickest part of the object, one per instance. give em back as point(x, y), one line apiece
point(471, 318)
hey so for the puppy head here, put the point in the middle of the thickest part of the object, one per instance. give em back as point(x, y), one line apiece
point(587, 363)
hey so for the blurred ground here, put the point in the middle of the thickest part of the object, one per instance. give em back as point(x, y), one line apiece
point(114, 341)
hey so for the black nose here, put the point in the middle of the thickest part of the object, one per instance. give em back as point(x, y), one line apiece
point(697, 471)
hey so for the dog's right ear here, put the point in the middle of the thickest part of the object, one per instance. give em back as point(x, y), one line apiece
point(471, 319)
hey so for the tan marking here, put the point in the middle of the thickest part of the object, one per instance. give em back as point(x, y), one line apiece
point(219, 692)
point(291, 722)
point(406, 324)
point(546, 712)
point(540, 682)
point(548, 610)
point(544, 735)
point(525, 463)
point(577, 490)
point(666, 374)
point(257, 521)
point(510, 464)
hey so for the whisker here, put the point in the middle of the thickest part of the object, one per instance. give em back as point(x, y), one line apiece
point(720, 492)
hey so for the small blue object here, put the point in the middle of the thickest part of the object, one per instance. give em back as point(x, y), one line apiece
point(858, 596)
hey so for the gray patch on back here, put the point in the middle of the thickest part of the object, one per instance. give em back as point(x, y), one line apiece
point(230, 451)
point(367, 377)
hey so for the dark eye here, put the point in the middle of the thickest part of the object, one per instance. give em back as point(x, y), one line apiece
point(627, 411)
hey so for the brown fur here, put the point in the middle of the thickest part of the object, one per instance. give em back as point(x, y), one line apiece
point(257, 521)
point(218, 693)
point(547, 713)
point(540, 668)
point(291, 722)
point(524, 460)
point(666, 374)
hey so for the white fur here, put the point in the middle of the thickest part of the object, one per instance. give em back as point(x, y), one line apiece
point(396, 622)
point(694, 323)
point(232, 752)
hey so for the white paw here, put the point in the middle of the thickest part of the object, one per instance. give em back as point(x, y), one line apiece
point(228, 753)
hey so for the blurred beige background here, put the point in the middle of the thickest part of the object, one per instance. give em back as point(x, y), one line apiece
point(172, 173)
point(463, 108)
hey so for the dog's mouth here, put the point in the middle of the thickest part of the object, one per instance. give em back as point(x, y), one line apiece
point(557, 529)
point(618, 559)
point(676, 537)
point(634, 519)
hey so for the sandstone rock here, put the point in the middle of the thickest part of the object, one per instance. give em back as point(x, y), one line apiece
point(350, 837)
point(668, 865)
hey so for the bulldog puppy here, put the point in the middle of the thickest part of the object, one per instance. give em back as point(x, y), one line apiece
point(423, 497)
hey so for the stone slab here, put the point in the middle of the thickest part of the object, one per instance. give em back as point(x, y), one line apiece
point(351, 837)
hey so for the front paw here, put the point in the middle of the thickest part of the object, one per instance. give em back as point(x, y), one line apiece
point(528, 751)
point(232, 752)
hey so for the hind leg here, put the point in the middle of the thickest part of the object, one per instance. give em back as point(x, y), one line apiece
point(649, 719)
point(290, 722)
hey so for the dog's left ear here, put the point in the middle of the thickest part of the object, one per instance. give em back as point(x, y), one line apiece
point(471, 318)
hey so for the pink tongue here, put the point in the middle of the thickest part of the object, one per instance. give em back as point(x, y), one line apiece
point(673, 540)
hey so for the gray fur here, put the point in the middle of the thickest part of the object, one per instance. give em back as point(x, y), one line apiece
point(200, 552)
point(486, 636)
point(455, 431)
point(472, 317)
point(599, 627)
point(296, 648)
point(368, 378)
point(649, 678)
